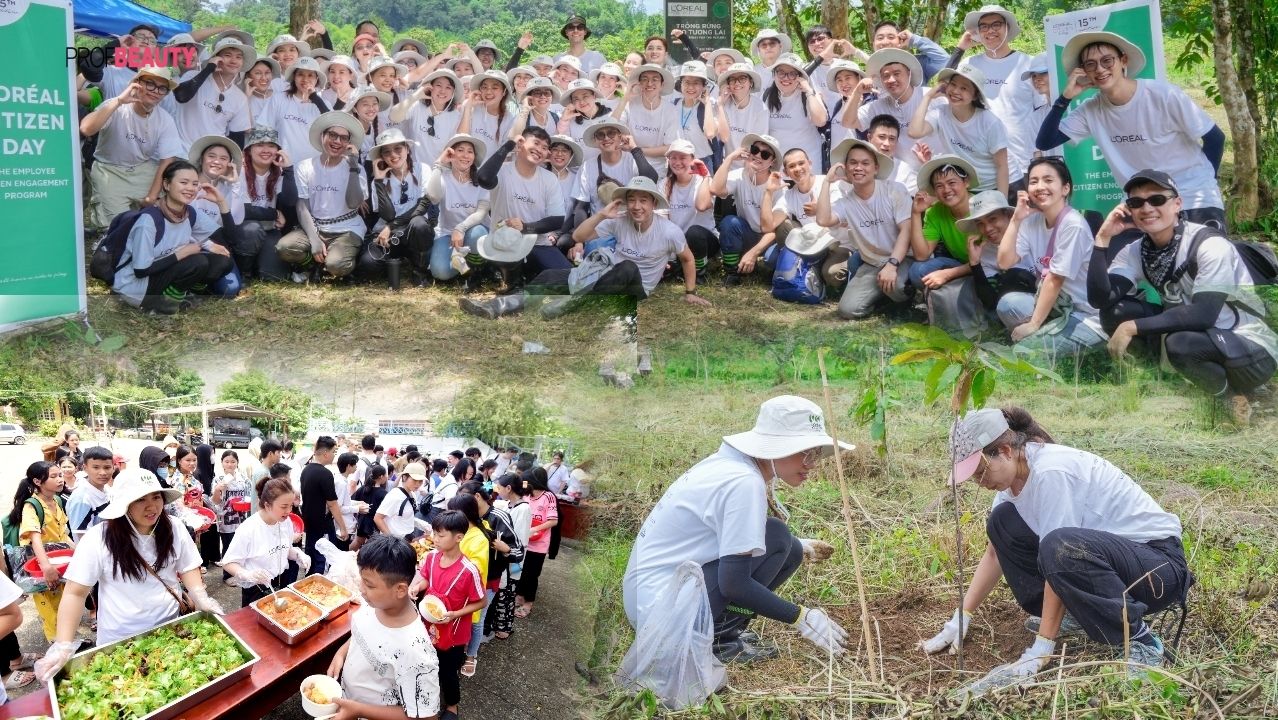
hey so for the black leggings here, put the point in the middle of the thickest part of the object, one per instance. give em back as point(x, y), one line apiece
point(702, 242)
point(782, 556)
point(623, 279)
point(198, 269)
point(414, 247)
point(533, 563)
point(450, 664)
point(1196, 357)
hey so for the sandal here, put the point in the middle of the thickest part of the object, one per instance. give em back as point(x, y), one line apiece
point(523, 611)
point(501, 635)
point(27, 661)
point(19, 679)
point(468, 668)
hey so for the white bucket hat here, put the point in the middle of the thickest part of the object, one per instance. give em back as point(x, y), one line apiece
point(809, 240)
point(840, 155)
point(307, 62)
point(769, 34)
point(162, 74)
point(131, 485)
point(514, 72)
point(682, 145)
point(336, 118)
point(972, 21)
point(667, 79)
point(494, 75)
point(505, 244)
point(982, 203)
point(413, 55)
point(541, 83)
point(1037, 66)
point(786, 425)
point(269, 61)
point(752, 138)
point(199, 146)
point(838, 66)
point(968, 437)
point(642, 184)
point(577, 152)
point(589, 137)
point(790, 60)
point(347, 62)
point(733, 53)
point(1074, 48)
point(487, 44)
point(608, 68)
point(940, 161)
point(580, 84)
point(756, 82)
point(243, 37)
point(416, 46)
point(383, 99)
point(481, 150)
point(971, 73)
point(234, 43)
point(444, 73)
point(570, 61)
point(691, 69)
point(386, 138)
point(323, 54)
point(543, 60)
point(382, 61)
point(887, 56)
point(303, 49)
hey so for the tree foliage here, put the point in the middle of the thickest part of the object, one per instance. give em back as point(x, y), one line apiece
point(256, 389)
point(489, 411)
point(121, 392)
point(164, 374)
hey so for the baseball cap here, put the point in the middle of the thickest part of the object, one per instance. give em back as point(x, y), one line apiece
point(1157, 177)
point(968, 438)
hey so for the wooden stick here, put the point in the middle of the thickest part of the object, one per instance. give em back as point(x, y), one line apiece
point(847, 517)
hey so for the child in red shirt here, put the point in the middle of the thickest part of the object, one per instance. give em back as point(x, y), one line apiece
point(454, 579)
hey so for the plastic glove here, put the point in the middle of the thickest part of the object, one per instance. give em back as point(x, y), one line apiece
point(817, 628)
point(816, 550)
point(421, 524)
point(200, 596)
point(949, 635)
point(54, 658)
point(257, 577)
point(302, 559)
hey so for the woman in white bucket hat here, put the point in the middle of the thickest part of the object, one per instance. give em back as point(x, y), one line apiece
point(723, 515)
point(140, 558)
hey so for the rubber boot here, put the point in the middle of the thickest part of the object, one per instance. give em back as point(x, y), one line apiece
point(560, 305)
point(494, 308)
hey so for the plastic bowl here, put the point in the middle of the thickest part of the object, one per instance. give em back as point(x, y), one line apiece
point(432, 608)
point(297, 522)
point(209, 516)
point(326, 684)
point(240, 505)
point(60, 559)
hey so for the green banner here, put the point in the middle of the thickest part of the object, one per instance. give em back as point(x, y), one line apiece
point(1138, 21)
point(41, 223)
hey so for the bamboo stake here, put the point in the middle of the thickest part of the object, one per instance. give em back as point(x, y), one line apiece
point(847, 517)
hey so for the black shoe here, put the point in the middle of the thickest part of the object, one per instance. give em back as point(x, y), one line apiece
point(494, 308)
point(731, 280)
point(422, 279)
point(161, 304)
point(740, 652)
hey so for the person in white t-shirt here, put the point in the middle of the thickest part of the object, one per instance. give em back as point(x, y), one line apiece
point(1083, 547)
point(210, 102)
point(259, 554)
point(135, 146)
point(739, 108)
point(576, 33)
point(429, 115)
point(399, 508)
point(876, 212)
point(1057, 241)
point(723, 515)
point(687, 189)
point(896, 75)
point(1210, 323)
point(330, 190)
point(1138, 123)
point(138, 589)
point(966, 128)
point(294, 108)
point(760, 156)
point(884, 133)
point(795, 109)
point(652, 120)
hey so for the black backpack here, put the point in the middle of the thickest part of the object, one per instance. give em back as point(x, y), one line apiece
point(1257, 257)
point(108, 257)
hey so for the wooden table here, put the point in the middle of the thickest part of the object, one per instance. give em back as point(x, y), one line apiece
point(273, 679)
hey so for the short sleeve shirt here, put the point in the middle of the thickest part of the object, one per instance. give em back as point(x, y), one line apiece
point(391, 666)
point(325, 190)
point(650, 250)
point(317, 491)
point(873, 222)
point(939, 226)
point(129, 139)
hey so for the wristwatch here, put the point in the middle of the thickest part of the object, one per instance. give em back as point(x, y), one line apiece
point(893, 262)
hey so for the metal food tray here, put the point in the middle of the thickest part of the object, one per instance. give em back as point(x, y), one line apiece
point(329, 613)
point(182, 704)
point(288, 637)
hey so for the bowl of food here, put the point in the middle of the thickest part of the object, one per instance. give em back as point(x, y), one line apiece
point(432, 608)
point(59, 559)
point(318, 693)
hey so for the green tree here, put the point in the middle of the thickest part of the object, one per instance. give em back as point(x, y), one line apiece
point(161, 371)
point(256, 389)
point(130, 415)
point(489, 411)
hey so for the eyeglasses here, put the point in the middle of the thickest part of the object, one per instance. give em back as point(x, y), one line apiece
point(764, 153)
point(785, 74)
point(608, 134)
point(1136, 203)
point(815, 38)
point(152, 87)
point(986, 27)
point(576, 26)
point(341, 137)
point(1105, 61)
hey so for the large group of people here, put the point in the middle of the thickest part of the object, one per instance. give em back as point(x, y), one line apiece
point(892, 175)
point(486, 527)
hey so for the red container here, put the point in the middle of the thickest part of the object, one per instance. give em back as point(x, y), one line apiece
point(240, 505)
point(209, 517)
point(59, 558)
point(297, 522)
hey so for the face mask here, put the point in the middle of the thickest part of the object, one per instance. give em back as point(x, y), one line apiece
point(162, 473)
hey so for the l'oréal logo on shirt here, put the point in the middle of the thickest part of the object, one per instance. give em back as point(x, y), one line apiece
point(1127, 138)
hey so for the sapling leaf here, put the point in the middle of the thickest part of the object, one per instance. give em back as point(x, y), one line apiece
point(982, 387)
point(919, 355)
point(932, 382)
point(947, 379)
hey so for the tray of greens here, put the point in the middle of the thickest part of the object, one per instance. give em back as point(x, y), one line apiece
point(154, 675)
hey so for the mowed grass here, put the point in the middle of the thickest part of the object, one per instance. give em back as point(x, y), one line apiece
point(712, 371)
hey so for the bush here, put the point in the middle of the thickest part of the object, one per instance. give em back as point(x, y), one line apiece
point(487, 412)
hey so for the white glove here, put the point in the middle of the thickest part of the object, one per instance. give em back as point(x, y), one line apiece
point(816, 550)
point(949, 635)
point(200, 596)
point(817, 628)
point(54, 658)
point(302, 559)
point(257, 577)
point(1030, 662)
point(421, 524)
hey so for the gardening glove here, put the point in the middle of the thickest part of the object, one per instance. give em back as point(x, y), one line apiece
point(200, 596)
point(54, 658)
point(949, 635)
point(817, 628)
point(1030, 662)
point(816, 550)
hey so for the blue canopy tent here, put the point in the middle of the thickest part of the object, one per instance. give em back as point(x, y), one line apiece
point(110, 18)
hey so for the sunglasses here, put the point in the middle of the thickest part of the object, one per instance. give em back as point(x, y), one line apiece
point(403, 193)
point(430, 125)
point(337, 136)
point(1136, 203)
point(576, 26)
point(763, 152)
point(221, 98)
point(608, 134)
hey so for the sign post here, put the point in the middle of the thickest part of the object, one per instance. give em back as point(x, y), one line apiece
point(1139, 22)
point(707, 22)
point(41, 216)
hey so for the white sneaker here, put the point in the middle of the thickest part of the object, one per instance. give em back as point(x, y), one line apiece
point(298, 277)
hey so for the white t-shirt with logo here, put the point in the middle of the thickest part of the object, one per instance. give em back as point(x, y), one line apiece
point(1220, 270)
point(292, 118)
point(1069, 258)
point(753, 118)
point(199, 116)
point(409, 188)
point(683, 204)
point(587, 189)
point(1160, 128)
point(460, 201)
point(488, 128)
point(652, 128)
point(885, 104)
point(1010, 99)
point(325, 189)
point(129, 139)
point(529, 199)
point(391, 666)
point(692, 129)
point(748, 197)
point(976, 141)
point(716, 509)
point(650, 250)
point(258, 546)
point(127, 606)
point(792, 127)
point(872, 224)
point(417, 126)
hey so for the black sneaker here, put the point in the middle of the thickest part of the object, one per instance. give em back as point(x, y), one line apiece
point(740, 652)
point(731, 280)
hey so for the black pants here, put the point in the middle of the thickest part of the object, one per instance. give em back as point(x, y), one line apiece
point(546, 257)
point(414, 247)
point(1090, 570)
point(450, 664)
point(782, 556)
point(318, 564)
point(623, 279)
point(210, 551)
point(224, 542)
point(255, 252)
point(533, 563)
point(702, 242)
point(198, 269)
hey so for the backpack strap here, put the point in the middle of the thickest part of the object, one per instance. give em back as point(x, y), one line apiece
point(39, 508)
point(1191, 256)
point(93, 513)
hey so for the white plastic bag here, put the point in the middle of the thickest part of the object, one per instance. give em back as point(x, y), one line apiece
point(673, 651)
point(342, 568)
